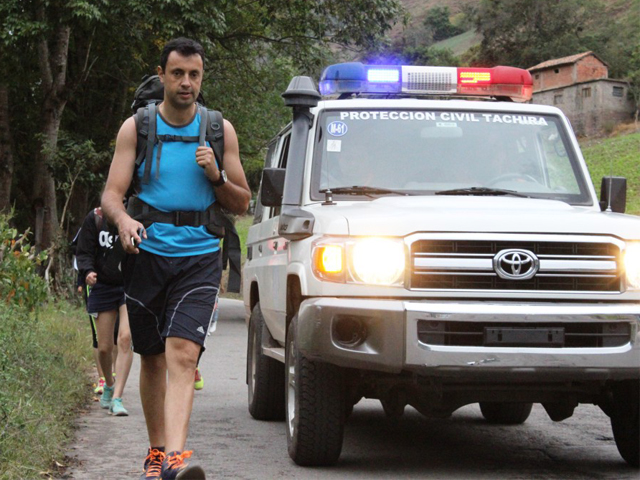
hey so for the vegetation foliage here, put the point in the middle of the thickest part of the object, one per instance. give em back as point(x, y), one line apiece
point(618, 154)
point(43, 359)
point(20, 283)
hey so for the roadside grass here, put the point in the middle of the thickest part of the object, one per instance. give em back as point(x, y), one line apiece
point(617, 155)
point(44, 357)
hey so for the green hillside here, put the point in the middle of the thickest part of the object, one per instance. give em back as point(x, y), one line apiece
point(460, 43)
point(619, 155)
point(418, 9)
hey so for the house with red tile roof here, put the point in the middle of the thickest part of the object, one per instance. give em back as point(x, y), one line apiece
point(580, 87)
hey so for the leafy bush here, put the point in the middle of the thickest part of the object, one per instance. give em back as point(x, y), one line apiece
point(20, 283)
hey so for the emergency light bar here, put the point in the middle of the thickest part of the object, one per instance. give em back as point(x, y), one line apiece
point(355, 77)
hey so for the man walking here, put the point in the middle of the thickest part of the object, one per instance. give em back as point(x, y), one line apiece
point(172, 276)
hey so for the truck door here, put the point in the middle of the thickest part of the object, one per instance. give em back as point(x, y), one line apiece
point(269, 253)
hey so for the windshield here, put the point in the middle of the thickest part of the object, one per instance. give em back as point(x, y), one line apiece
point(445, 153)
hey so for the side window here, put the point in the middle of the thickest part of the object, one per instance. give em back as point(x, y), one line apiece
point(268, 161)
point(281, 163)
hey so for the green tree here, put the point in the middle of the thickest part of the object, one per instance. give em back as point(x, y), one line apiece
point(522, 33)
point(89, 55)
point(438, 24)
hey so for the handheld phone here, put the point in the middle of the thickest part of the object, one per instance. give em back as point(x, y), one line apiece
point(133, 240)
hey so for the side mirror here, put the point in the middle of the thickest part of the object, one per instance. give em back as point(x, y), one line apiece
point(613, 192)
point(272, 187)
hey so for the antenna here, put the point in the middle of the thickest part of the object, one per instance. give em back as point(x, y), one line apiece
point(610, 184)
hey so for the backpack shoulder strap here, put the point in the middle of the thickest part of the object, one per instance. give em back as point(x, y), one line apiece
point(151, 141)
point(145, 138)
point(215, 134)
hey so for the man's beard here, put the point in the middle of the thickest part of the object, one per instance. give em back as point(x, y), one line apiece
point(179, 103)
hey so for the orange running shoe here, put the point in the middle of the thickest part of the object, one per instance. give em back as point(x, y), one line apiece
point(174, 467)
point(153, 464)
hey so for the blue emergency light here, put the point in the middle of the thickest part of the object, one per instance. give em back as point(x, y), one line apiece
point(355, 77)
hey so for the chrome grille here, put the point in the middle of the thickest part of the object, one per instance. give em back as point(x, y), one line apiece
point(462, 264)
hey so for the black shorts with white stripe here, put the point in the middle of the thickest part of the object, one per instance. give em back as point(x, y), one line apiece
point(170, 297)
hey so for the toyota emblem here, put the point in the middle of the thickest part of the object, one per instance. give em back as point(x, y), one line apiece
point(516, 264)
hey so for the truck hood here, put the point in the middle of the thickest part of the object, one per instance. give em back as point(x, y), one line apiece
point(401, 216)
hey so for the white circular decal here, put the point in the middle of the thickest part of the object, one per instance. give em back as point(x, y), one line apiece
point(337, 128)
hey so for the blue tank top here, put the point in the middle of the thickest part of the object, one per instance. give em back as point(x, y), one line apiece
point(181, 186)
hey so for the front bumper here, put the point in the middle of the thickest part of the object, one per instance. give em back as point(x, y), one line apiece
point(391, 340)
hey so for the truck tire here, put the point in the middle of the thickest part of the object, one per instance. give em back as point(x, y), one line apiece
point(625, 420)
point(265, 375)
point(315, 398)
point(505, 413)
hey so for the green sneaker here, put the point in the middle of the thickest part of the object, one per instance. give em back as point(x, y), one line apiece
point(198, 383)
point(106, 397)
point(116, 408)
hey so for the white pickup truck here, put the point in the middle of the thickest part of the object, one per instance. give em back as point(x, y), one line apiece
point(425, 237)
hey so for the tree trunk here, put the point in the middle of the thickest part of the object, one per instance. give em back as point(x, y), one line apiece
point(53, 68)
point(6, 150)
point(44, 191)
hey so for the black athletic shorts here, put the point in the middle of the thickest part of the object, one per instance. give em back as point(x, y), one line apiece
point(170, 297)
point(92, 320)
point(104, 297)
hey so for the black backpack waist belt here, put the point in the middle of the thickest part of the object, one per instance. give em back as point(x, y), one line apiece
point(217, 222)
point(212, 217)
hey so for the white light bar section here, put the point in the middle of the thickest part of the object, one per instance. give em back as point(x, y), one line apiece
point(432, 80)
point(383, 75)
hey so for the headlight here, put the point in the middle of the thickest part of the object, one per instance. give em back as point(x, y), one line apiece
point(632, 264)
point(374, 261)
point(378, 261)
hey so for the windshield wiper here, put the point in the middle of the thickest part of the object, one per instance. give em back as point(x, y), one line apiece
point(481, 191)
point(363, 190)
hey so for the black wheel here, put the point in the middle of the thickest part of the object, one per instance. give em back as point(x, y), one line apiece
point(505, 413)
point(315, 399)
point(625, 420)
point(265, 375)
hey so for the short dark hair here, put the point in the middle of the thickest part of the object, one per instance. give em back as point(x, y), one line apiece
point(184, 46)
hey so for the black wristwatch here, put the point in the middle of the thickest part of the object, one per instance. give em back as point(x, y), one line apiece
point(222, 180)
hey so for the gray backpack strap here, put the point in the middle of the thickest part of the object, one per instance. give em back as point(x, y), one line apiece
point(151, 141)
point(202, 110)
point(215, 134)
point(142, 130)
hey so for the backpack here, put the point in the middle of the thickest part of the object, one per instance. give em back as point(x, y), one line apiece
point(144, 107)
point(97, 218)
point(215, 219)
